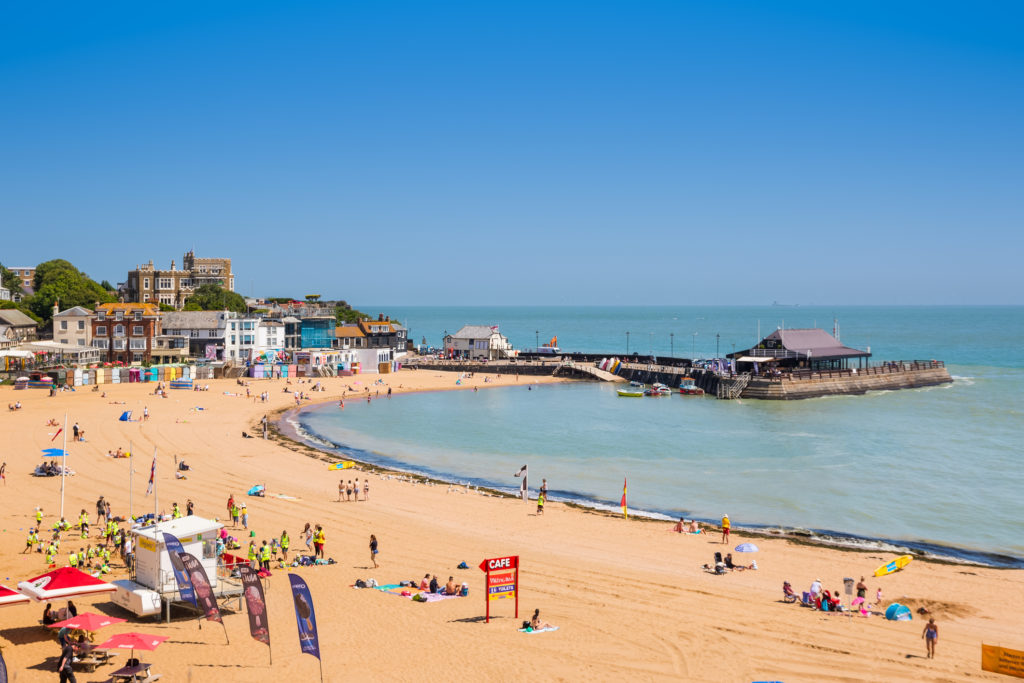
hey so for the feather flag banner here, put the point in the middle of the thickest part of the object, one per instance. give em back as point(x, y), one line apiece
point(625, 510)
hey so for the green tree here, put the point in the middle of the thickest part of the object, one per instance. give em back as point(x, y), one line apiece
point(58, 280)
point(10, 280)
point(215, 298)
point(107, 286)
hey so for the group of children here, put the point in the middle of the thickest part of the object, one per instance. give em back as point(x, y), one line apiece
point(93, 557)
point(347, 490)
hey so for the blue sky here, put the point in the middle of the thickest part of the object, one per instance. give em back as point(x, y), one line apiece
point(525, 153)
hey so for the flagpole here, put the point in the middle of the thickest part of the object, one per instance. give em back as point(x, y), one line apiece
point(131, 471)
point(156, 494)
point(63, 464)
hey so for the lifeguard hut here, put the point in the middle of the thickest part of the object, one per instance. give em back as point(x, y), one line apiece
point(153, 587)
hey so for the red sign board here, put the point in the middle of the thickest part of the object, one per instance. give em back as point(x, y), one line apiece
point(502, 580)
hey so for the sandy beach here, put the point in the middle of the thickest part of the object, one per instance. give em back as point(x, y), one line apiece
point(629, 597)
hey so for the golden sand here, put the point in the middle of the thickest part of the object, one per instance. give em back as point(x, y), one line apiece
point(629, 596)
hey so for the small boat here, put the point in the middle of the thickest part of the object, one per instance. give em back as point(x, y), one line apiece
point(688, 387)
point(630, 393)
point(634, 383)
point(658, 389)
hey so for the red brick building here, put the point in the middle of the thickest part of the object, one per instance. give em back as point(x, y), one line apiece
point(125, 332)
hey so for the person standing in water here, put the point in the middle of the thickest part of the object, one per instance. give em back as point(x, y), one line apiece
point(930, 635)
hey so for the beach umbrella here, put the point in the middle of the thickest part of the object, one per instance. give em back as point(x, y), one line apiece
point(132, 641)
point(89, 621)
point(746, 548)
point(11, 597)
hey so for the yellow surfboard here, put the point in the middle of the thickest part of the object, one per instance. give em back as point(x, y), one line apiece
point(344, 465)
point(894, 566)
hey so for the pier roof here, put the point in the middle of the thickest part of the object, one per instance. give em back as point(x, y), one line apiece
point(812, 343)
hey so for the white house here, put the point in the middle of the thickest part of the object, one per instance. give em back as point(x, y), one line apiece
point(72, 326)
point(477, 342)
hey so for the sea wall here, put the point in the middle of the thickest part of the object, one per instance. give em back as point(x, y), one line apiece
point(824, 385)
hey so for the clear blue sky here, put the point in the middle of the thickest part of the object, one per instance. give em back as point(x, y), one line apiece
point(525, 153)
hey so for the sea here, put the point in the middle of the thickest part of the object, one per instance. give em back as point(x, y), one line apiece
point(934, 470)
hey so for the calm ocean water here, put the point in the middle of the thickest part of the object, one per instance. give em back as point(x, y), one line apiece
point(937, 468)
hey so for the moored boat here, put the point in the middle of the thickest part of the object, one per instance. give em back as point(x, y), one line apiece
point(688, 387)
point(630, 393)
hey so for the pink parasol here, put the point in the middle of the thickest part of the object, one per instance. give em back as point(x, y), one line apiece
point(88, 622)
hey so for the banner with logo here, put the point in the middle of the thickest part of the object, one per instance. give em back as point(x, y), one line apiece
point(181, 576)
point(1002, 660)
point(256, 602)
point(3, 669)
point(205, 599)
point(305, 617)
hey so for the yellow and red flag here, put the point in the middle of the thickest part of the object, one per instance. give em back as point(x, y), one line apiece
point(625, 512)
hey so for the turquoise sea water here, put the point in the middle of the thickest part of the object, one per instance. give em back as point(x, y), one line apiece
point(934, 468)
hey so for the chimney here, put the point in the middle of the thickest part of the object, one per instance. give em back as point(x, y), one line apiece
point(56, 306)
point(380, 317)
point(172, 264)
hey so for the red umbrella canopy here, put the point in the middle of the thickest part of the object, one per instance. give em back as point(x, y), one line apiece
point(88, 622)
point(65, 582)
point(9, 597)
point(131, 641)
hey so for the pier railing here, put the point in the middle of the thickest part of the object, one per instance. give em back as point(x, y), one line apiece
point(884, 368)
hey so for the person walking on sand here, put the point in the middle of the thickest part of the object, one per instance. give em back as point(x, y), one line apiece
point(3, 472)
point(245, 517)
point(930, 635)
point(318, 542)
point(145, 413)
point(373, 550)
point(355, 489)
point(307, 534)
point(284, 542)
point(341, 489)
point(726, 524)
point(366, 489)
point(231, 504)
point(862, 588)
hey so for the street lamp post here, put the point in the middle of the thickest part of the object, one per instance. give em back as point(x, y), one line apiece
point(672, 342)
point(627, 343)
point(693, 346)
point(536, 340)
point(717, 338)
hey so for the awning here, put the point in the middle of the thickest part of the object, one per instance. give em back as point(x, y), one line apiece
point(754, 359)
point(9, 597)
point(66, 582)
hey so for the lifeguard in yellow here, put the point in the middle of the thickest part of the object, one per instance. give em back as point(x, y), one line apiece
point(252, 552)
point(175, 512)
point(285, 542)
point(32, 539)
point(39, 516)
point(72, 559)
point(726, 524)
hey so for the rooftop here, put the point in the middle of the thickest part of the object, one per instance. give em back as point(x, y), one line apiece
point(73, 311)
point(14, 317)
point(475, 332)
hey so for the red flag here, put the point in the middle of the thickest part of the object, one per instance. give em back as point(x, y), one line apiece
point(57, 434)
point(625, 513)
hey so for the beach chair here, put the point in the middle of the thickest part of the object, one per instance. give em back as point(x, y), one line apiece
point(788, 594)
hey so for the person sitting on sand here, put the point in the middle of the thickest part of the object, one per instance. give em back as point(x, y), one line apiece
point(434, 585)
point(450, 588)
point(536, 624)
point(695, 527)
point(680, 526)
point(425, 583)
point(48, 616)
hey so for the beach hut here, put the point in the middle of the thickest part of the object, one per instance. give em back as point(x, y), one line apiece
point(21, 383)
point(40, 382)
point(77, 378)
point(115, 375)
point(898, 612)
point(181, 384)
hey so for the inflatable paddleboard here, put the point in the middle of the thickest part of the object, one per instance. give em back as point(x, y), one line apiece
point(344, 465)
point(894, 566)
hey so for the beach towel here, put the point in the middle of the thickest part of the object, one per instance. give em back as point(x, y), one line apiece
point(539, 630)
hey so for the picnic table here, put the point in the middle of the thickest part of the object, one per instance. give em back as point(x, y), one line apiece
point(132, 673)
point(92, 659)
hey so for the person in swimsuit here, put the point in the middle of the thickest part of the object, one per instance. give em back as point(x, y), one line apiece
point(930, 635)
point(536, 624)
point(862, 588)
point(373, 550)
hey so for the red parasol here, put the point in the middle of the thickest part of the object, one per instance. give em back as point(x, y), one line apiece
point(131, 641)
point(88, 622)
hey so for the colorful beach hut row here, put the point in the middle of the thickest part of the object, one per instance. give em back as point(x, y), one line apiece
point(90, 376)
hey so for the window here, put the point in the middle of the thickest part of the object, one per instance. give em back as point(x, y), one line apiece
point(119, 344)
point(232, 326)
point(232, 340)
point(101, 329)
point(138, 344)
point(100, 315)
point(138, 315)
point(145, 283)
point(137, 330)
point(137, 357)
point(202, 269)
point(101, 343)
point(167, 299)
point(63, 341)
point(165, 283)
point(63, 324)
point(81, 342)
point(81, 324)
point(194, 333)
point(119, 315)
point(118, 330)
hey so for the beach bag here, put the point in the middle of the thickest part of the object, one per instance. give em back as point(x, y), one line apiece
point(419, 598)
point(360, 583)
point(526, 625)
point(372, 583)
point(463, 565)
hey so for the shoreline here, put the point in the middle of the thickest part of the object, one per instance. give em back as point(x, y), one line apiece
point(923, 551)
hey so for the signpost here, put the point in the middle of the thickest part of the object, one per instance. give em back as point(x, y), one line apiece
point(502, 581)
